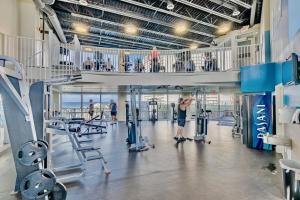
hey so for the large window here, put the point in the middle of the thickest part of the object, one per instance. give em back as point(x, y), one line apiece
point(71, 105)
point(76, 105)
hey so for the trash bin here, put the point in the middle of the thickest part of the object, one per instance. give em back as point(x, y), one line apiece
point(291, 179)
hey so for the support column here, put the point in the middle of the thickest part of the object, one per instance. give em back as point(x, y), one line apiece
point(121, 104)
point(265, 32)
point(55, 101)
point(280, 131)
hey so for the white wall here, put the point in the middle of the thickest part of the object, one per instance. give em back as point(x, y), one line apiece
point(9, 17)
point(292, 94)
point(29, 19)
point(19, 17)
point(282, 46)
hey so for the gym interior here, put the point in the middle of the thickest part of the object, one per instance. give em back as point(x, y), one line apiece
point(156, 99)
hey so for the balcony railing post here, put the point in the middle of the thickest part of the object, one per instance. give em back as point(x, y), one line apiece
point(234, 55)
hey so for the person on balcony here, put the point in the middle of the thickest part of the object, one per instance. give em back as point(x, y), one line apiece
point(210, 63)
point(139, 66)
point(109, 66)
point(88, 64)
point(154, 58)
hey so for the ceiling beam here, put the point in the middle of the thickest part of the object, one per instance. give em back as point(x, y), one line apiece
point(210, 11)
point(117, 40)
point(169, 13)
point(91, 43)
point(140, 29)
point(241, 3)
point(224, 4)
point(99, 36)
point(135, 37)
point(135, 16)
point(109, 43)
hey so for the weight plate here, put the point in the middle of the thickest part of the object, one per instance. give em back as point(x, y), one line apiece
point(32, 153)
point(37, 185)
point(59, 192)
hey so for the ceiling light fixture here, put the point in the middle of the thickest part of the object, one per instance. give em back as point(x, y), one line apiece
point(224, 28)
point(236, 12)
point(131, 29)
point(170, 5)
point(83, 2)
point(181, 28)
point(88, 49)
point(194, 46)
point(80, 28)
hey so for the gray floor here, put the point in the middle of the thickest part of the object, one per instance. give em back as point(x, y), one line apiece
point(224, 170)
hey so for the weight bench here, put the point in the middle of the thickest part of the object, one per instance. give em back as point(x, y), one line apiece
point(58, 127)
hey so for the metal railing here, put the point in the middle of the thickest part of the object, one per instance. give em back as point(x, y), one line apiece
point(211, 59)
point(43, 59)
point(40, 59)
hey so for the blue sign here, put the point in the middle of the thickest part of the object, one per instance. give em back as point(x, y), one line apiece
point(262, 120)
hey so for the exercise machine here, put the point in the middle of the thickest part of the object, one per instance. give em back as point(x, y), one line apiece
point(153, 110)
point(174, 113)
point(201, 118)
point(29, 149)
point(94, 126)
point(83, 152)
point(135, 140)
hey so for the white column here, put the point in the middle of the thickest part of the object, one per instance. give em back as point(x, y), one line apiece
point(121, 105)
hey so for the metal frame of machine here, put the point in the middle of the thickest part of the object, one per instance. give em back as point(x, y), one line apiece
point(33, 180)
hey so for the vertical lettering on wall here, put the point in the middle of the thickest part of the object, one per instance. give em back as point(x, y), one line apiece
point(262, 119)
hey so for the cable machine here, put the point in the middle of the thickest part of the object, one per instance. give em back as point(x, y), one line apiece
point(153, 110)
point(201, 118)
point(136, 141)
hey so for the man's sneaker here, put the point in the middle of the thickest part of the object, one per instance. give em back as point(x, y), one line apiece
point(182, 139)
point(176, 138)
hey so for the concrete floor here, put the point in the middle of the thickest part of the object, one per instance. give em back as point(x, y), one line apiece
point(225, 169)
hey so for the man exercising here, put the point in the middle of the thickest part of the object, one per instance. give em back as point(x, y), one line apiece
point(182, 106)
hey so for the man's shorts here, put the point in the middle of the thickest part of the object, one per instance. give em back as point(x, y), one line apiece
point(113, 113)
point(181, 122)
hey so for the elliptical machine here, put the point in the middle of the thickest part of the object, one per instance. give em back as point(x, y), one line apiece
point(201, 119)
point(135, 140)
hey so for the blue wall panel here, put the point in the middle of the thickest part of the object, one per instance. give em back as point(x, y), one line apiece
point(259, 78)
point(264, 77)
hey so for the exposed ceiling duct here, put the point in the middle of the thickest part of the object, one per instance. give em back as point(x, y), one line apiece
point(52, 17)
